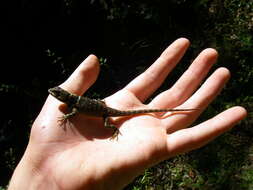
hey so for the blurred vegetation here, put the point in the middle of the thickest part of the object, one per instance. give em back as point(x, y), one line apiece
point(44, 41)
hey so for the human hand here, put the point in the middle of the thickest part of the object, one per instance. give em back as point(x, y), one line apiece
point(81, 155)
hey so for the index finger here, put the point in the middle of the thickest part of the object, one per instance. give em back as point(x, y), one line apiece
point(146, 83)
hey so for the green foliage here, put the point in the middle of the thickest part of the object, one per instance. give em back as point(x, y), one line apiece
point(173, 174)
point(121, 10)
point(246, 177)
point(5, 88)
point(10, 159)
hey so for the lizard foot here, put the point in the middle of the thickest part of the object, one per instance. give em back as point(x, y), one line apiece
point(116, 131)
point(63, 119)
point(115, 134)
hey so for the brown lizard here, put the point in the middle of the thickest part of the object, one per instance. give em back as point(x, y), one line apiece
point(97, 108)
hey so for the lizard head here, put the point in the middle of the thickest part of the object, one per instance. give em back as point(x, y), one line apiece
point(59, 93)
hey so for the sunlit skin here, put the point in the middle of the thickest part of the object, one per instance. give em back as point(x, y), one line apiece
point(81, 154)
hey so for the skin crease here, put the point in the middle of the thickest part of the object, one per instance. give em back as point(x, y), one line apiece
point(80, 155)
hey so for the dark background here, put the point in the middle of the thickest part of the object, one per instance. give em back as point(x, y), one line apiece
point(44, 41)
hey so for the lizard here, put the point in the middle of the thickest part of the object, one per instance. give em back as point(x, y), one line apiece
point(97, 108)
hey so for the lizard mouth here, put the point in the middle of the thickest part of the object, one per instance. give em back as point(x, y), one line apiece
point(51, 91)
point(54, 91)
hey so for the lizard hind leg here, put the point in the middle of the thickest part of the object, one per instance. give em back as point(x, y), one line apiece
point(107, 124)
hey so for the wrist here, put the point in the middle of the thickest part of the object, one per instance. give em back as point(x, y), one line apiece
point(26, 176)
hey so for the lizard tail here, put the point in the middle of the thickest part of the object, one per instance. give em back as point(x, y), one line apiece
point(114, 112)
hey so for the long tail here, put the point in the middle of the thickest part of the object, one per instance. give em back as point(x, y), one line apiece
point(114, 112)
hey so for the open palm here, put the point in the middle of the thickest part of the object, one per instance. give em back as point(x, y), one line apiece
point(81, 155)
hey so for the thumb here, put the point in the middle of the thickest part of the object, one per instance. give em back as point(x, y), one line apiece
point(83, 77)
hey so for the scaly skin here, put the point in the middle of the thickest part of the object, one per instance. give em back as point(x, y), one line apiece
point(97, 108)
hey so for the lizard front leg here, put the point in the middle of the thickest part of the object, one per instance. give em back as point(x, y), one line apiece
point(65, 117)
point(107, 124)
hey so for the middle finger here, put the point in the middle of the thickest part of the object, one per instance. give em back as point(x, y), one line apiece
point(188, 82)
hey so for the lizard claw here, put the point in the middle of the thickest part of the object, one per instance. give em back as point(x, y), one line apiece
point(115, 135)
point(63, 119)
